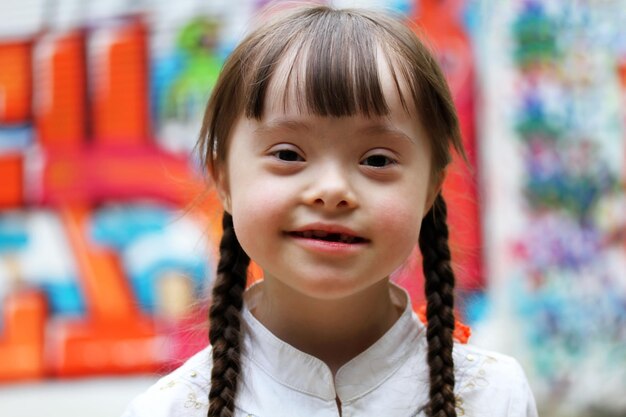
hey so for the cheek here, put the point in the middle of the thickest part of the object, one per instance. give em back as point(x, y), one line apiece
point(258, 210)
point(400, 221)
point(258, 201)
point(251, 191)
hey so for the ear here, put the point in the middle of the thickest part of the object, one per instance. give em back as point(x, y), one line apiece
point(220, 178)
point(434, 188)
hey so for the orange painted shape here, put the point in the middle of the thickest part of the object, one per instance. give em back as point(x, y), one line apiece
point(12, 177)
point(461, 333)
point(255, 273)
point(114, 347)
point(120, 78)
point(15, 82)
point(621, 70)
point(86, 176)
point(107, 293)
point(461, 194)
point(60, 94)
point(148, 172)
point(441, 22)
point(22, 342)
point(101, 174)
point(115, 337)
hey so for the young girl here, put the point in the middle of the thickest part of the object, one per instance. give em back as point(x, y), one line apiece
point(327, 137)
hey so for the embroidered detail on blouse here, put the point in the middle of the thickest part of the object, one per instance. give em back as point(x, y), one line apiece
point(480, 378)
point(460, 411)
point(192, 402)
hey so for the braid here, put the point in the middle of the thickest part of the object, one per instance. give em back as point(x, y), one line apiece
point(224, 318)
point(439, 286)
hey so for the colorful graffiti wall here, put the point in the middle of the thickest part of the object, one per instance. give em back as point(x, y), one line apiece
point(107, 228)
point(555, 165)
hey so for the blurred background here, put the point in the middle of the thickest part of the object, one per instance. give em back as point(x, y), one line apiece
point(108, 230)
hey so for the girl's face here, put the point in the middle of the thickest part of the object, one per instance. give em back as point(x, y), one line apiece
point(328, 206)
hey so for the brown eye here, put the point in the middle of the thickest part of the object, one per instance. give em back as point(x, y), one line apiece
point(288, 155)
point(377, 161)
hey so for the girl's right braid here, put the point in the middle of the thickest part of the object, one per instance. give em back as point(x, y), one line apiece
point(225, 319)
point(439, 288)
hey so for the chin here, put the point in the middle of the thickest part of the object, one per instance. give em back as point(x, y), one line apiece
point(330, 289)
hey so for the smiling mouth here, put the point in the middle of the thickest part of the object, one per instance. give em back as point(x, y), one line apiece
point(328, 237)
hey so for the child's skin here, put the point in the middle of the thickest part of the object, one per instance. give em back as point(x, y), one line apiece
point(368, 177)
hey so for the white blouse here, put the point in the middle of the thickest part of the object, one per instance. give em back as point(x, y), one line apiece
point(390, 378)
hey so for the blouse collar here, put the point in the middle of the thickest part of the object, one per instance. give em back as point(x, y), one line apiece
point(303, 372)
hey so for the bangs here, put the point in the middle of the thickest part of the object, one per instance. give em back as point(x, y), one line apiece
point(329, 65)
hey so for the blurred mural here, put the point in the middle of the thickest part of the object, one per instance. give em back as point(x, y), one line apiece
point(108, 229)
point(554, 152)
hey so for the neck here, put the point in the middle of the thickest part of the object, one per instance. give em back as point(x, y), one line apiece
point(332, 330)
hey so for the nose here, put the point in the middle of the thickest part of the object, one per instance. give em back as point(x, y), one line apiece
point(331, 189)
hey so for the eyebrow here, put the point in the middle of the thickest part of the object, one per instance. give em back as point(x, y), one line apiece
point(286, 124)
point(386, 130)
point(300, 126)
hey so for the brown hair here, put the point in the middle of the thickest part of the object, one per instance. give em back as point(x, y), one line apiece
point(334, 73)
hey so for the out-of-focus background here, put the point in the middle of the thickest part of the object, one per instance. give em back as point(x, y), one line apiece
point(108, 230)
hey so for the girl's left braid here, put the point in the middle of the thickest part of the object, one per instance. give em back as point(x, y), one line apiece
point(439, 288)
point(225, 320)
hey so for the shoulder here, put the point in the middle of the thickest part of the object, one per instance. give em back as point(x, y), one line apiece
point(473, 363)
point(491, 384)
point(184, 392)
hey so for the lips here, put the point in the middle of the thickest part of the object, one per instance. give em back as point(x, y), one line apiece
point(329, 234)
